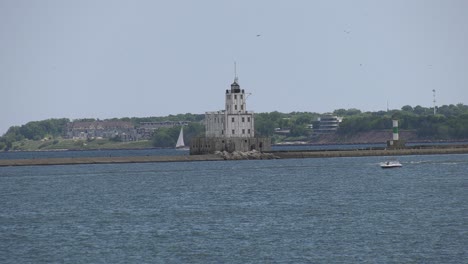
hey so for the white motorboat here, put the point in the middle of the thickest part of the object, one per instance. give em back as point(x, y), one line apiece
point(390, 164)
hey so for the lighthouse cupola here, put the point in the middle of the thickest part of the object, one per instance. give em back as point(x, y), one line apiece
point(235, 87)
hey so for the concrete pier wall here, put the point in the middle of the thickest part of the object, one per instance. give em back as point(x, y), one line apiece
point(364, 153)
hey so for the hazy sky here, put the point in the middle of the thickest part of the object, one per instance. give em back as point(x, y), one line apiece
point(109, 58)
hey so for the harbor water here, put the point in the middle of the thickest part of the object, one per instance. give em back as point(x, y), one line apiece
point(321, 210)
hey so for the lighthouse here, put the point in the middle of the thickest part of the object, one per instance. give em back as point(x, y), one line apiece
point(395, 129)
point(231, 129)
point(395, 143)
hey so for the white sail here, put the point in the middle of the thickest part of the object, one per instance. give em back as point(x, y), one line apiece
point(180, 141)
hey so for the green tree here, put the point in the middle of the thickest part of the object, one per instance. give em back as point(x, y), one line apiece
point(162, 139)
point(194, 129)
point(407, 108)
point(265, 125)
point(419, 110)
point(298, 130)
point(349, 112)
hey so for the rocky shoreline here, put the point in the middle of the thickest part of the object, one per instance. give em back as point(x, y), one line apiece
point(239, 155)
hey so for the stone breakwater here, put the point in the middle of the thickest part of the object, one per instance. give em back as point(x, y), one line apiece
point(371, 152)
point(239, 155)
point(219, 156)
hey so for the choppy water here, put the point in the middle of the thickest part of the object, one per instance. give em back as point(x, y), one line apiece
point(91, 153)
point(335, 210)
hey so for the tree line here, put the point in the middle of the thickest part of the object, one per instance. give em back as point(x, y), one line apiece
point(35, 130)
point(449, 122)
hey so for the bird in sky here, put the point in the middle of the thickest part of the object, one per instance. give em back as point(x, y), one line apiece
point(258, 35)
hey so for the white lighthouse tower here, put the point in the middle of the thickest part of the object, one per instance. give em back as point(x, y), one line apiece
point(239, 121)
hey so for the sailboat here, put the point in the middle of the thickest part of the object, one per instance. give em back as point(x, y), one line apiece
point(180, 141)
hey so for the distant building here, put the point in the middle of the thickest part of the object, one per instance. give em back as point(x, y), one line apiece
point(101, 129)
point(328, 124)
point(282, 131)
point(147, 129)
point(231, 129)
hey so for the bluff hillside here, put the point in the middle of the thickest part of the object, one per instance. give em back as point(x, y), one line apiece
point(374, 136)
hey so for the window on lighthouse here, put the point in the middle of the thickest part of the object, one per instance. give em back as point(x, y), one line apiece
point(235, 107)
